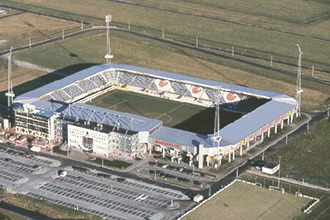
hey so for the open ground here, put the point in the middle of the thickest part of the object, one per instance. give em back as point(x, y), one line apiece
point(312, 146)
point(244, 201)
point(16, 29)
point(268, 28)
point(134, 50)
point(278, 35)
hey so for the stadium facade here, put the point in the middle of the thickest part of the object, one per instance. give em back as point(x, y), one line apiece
point(58, 112)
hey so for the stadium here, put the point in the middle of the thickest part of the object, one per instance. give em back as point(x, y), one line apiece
point(60, 113)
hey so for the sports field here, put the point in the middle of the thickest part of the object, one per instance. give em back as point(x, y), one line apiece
point(173, 114)
point(243, 201)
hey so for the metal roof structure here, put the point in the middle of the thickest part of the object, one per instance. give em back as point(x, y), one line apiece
point(184, 138)
point(233, 133)
point(112, 118)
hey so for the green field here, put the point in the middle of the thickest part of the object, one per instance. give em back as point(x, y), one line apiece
point(255, 32)
point(243, 201)
point(307, 156)
point(138, 51)
point(173, 114)
point(253, 27)
point(320, 211)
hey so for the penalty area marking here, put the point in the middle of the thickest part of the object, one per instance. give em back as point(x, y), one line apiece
point(155, 115)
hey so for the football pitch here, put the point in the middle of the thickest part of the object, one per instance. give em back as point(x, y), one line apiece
point(244, 201)
point(173, 114)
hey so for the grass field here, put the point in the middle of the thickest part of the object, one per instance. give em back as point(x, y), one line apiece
point(307, 156)
point(16, 29)
point(272, 27)
point(138, 51)
point(243, 201)
point(320, 211)
point(173, 114)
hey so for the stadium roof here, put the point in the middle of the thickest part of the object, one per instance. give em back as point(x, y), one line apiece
point(112, 118)
point(184, 138)
point(253, 121)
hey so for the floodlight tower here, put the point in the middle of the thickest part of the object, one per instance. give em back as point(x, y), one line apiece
point(10, 93)
point(216, 134)
point(298, 85)
point(108, 56)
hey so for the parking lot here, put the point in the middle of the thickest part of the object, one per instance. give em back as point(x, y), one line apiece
point(106, 195)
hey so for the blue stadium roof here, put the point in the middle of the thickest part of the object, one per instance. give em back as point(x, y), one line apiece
point(33, 96)
point(184, 138)
point(253, 121)
point(109, 117)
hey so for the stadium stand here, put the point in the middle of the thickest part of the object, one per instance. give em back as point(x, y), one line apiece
point(110, 76)
point(73, 91)
point(142, 81)
point(98, 80)
point(235, 136)
point(126, 78)
point(180, 88)
point(86, 85)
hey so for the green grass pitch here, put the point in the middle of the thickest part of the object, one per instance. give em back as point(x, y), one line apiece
point(244, 201)
point(173, 114)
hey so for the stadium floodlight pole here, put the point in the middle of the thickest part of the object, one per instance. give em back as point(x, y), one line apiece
point(10, 93)
point(216, 138)
point(108, 56)
point(279, 171)
point(298, 85)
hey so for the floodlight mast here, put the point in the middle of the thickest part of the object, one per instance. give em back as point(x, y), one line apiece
point(10, 93)
point(216, 138)
point(298, 85)
point(108, 55)
point(216, 133)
